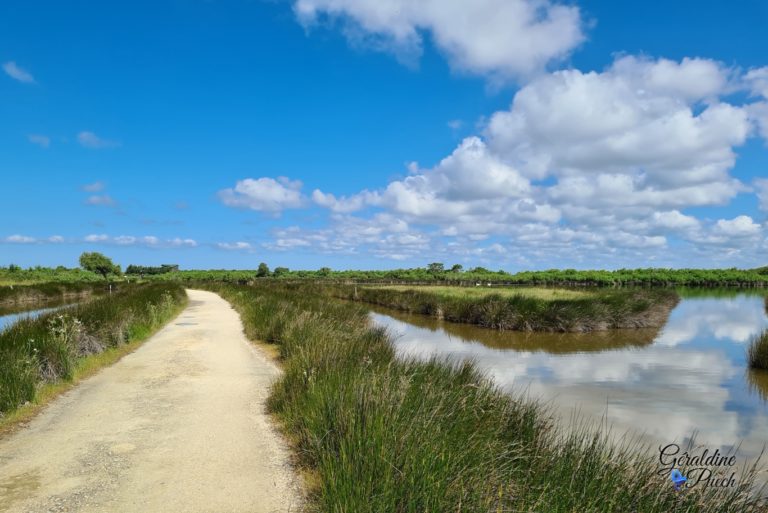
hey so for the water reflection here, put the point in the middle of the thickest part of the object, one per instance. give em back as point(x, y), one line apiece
point(8, 316)
point(667, 384)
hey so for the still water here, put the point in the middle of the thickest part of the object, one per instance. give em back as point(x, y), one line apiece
point(9, 316)
point(664, 385)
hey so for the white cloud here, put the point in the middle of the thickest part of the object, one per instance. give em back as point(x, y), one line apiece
point(149, 241)
point(20, 239)
point(91, 140)
point(757, 81)
point(102, 200)
point(675, 220)
point(761, 184)
point(502, 39)
point(17, 73)
point(55, 239)
point(178, 242)
point(592, 168)
point(233, 246)
point(264, 194)
point(41, 140)
point(740, 226)
point(344, 204)
point(94, 187)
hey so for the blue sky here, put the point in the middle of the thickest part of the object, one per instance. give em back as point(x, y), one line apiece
point(376, 134)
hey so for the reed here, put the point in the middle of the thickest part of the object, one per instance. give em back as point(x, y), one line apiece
point(757, 351)
point(378, 433)
point(595, 311)
point(47, 349)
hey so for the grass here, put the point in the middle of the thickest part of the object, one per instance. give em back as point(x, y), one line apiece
point(46, 292)
point(547, 294)
point(60, 346)
point(757, 351)
point(379, 434)
point(525, 311)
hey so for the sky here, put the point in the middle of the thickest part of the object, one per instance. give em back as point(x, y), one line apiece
point(376, 134)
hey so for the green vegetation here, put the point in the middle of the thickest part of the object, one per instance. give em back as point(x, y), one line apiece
point(14, 274)
point(375, 433)
point(142, 270)
point(477, 292)
point(532, 311)
point(45, 292)
point(435, 273)
point(47, 349)
point(99, 264)
point(757, 351)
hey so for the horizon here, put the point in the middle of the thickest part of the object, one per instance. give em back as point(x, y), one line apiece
point(384, 135)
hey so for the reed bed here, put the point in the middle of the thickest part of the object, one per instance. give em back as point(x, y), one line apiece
point(46, 349)
point(379, 434)
point(596, 311)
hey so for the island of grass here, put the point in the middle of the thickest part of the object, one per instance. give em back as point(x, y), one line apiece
point(525, 309)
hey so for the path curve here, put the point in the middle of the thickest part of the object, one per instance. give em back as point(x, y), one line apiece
point(177, 426)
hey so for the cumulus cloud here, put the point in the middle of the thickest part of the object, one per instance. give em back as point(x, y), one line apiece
point(41, 140)
point(17, 73)
point(264, 194)
point(91, 140)
point(740, 226)
point(582, 166)
point(502, 39)
point(96, 238)
point(757, 81)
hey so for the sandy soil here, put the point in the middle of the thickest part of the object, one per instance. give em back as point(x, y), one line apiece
point(177, 426)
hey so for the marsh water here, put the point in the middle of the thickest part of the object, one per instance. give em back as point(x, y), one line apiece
point(8, 316)
point(686, 379)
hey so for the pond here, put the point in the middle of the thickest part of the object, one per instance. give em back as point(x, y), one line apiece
point(8, 316)
point(687, 379)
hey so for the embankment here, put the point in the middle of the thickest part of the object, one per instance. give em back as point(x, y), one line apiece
point(600, 310)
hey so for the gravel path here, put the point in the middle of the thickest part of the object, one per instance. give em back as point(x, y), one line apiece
point(177, 426)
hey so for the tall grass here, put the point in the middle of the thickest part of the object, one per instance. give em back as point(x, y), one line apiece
point(757, 351)
point(598, 310)
point(43, 292)
point(45, 349)
point(384, 435)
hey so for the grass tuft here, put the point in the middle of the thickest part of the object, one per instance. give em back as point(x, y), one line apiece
point(757, 351)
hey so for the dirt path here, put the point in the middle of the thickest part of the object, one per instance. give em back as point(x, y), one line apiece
point(177, 426)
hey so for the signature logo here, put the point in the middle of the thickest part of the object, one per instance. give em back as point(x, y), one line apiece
point(678, 479)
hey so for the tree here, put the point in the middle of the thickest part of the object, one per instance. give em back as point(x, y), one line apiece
point(324, 271)
point(98, 263)
point(279, 271)
point(262, 271)
point(457, 268)
point(436, 267)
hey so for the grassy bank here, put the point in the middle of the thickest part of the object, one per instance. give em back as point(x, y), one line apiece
point(15, 295)
point(49, 349)
point(521, 311)
point(384, 435)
